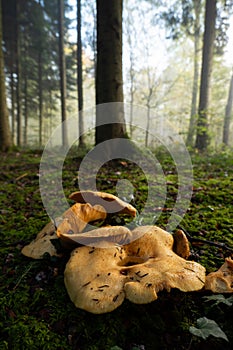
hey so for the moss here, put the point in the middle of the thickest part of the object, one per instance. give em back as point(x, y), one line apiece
point(36, 312)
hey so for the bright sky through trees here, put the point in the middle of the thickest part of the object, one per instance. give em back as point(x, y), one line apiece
point(155, 39)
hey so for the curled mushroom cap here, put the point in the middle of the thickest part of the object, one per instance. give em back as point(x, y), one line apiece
point(75, 219)
point(99, 237)
point(79, 215)
point(42, 243)
point(111, 203)
point(72, 222)
point(221, 281)
point(99, 279)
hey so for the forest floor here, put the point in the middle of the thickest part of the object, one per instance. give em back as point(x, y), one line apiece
point(35, 310)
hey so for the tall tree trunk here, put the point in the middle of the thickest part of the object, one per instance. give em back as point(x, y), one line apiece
point(62, 67)
point(25, 131)
point(40, 83)
point(12, 85)
point(207, 60)
point(228, 113)
point(40, 92)
point(132, 81)
point(109, 83)
point(131, 34)
point(193, 114)
point(80, 74)
point(18, 74)
point(147, 124)
point(5, 137)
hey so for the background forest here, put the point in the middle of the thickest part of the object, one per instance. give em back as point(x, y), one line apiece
point(171, 64)
point(50, 54)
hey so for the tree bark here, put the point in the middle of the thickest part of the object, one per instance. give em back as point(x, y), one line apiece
point(228, 113)
point(207, 60)
point(109, 83)
point(25, 92)
point(62, 68)
point(5, 137)
point(12, 85)
point(80, 74)
point(40, 93)
point(18, 74)
point(193, 114)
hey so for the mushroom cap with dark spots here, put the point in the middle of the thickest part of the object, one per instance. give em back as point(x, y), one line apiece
point(99, 279)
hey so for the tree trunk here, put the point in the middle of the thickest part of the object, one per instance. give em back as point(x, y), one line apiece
point(62, 68)
point(132, 81)
point(18, 74)
point(228, 113)
point(40, 92)
point(147, 125)
point(109, 83)
point(12, 85)
point(5, 137)
point(207, 60)
point(193, 114)
point(25, 131)
point(80, 74)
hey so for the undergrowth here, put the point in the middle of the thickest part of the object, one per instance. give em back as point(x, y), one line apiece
point(36, 312)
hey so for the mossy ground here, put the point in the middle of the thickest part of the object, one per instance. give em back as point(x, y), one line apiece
point(36, 312)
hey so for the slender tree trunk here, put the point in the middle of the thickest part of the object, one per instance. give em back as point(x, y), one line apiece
point(109, 84)
point(207, 60)
point(5, 137)
point(25, 131)
point(12, 85)
point(130, 32)
point(62, 67)
point(228, 113)
point(94, 41)
point(80, 74)
point(132, 89)
point(193, 114)
point(18, 74)
point(40, 91)
point(147, 124)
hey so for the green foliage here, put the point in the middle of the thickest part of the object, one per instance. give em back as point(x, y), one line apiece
point(218, 299)
point(205, 328)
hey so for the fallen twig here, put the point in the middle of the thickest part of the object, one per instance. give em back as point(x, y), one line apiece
point(21, 176)
point(205, 241)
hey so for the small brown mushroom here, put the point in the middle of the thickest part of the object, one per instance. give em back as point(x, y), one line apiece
point(181, 244)
point(221, 281)
point(111, 203)
point(98, 279)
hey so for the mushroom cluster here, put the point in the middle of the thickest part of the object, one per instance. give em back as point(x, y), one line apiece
point(111, 263)
point(99, 279)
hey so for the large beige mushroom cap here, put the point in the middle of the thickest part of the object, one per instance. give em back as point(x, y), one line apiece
point(221, 281)
point(98, 279)
point(99, 237)
point(111, 203)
